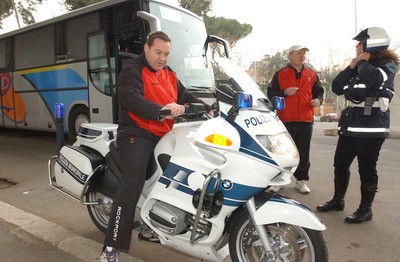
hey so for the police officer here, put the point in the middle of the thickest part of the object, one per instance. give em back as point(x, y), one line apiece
point(367, 85)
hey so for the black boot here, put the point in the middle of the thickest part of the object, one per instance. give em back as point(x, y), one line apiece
point(364, 212)
point(337, 203)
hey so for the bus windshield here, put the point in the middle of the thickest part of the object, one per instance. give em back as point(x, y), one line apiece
point(188, 35)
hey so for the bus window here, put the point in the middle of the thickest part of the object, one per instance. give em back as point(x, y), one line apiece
point(98, 63)
point(123, 14)
point(32, 45)
point(76, 33)
point(60, 45)
point(188, 35)
point(5, 53)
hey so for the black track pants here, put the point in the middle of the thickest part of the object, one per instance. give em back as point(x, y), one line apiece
point(134, 155)
point(301, 133)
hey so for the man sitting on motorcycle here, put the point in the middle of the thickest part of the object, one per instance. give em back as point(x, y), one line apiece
point(145, 86)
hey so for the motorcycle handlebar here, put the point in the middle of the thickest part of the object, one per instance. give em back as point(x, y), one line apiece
point(164, 113)
point(191, 110)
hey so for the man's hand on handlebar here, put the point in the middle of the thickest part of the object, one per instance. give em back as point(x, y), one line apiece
point(192, 111)
point(175, 110)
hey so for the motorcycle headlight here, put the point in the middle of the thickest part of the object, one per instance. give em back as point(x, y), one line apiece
point(279, 144)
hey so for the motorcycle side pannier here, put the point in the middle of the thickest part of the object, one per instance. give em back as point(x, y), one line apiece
point(72, 177)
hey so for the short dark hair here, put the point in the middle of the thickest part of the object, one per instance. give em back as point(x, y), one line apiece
point(157, 34)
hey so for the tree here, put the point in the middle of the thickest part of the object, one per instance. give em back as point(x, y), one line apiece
point(229, 29)
point(21, 9)
point(263, 70)
point(199, 7)
point(76, 4)
point(327, 75)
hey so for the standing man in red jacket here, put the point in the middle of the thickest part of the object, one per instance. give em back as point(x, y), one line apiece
point(303, 92)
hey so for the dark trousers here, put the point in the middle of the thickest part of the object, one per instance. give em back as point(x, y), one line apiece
point(134, 155)
point(301, 133)
point(367, 152)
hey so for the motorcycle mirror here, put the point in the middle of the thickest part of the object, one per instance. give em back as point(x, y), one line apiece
point(240, 101)
point(278, 103)
point(225, 94)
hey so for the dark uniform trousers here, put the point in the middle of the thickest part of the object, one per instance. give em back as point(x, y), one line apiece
point(367, 152)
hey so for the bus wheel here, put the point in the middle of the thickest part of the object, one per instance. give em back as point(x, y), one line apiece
point(78, 116)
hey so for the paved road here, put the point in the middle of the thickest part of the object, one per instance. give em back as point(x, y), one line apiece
point(24, 158)
point(19, 246)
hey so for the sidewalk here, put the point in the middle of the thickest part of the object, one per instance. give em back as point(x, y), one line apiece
point(63, 239)
point(20, 246)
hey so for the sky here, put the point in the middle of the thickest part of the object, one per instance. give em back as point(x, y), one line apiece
point(326, 27)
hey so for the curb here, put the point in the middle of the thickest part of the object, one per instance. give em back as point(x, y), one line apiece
point(64, 239)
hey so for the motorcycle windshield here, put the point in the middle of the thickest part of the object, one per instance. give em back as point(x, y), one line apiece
point(227, 73)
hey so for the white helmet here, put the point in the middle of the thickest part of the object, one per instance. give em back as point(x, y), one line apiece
point(374, 39)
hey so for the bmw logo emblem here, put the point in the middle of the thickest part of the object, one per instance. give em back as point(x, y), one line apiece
point(226, 184)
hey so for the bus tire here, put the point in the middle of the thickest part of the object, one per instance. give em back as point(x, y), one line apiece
point(79, 115)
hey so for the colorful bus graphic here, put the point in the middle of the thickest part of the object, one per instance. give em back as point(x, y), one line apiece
point(11, 103)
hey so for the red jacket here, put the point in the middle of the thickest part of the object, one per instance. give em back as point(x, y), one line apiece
point(298, 107)
point(161, 88)
point(142, 92)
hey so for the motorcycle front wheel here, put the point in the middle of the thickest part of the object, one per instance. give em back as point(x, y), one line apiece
point(100, 214)
point(289, 243)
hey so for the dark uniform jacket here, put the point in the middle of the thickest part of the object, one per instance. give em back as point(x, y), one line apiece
point(372, 81)
point(142, 92)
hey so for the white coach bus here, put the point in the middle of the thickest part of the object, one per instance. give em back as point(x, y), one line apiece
point(74, 59)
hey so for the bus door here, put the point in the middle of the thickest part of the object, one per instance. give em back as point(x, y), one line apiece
point(101, 74)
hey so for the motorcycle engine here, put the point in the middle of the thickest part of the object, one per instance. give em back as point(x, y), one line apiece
point(167, 218)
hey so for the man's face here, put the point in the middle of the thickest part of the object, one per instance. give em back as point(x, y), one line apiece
point(297, 58)
point(157, 55)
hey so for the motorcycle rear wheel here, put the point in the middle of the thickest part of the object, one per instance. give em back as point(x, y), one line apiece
point(289, 242)
point(100, 214)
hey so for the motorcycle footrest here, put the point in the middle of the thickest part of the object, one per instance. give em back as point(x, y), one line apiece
point(150, 238)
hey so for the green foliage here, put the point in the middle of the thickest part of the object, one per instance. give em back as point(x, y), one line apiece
point(26, 14)
point(23, 9)
point(6, 10)
point(328, 74)
point(76, 4)
point(229, 29)
point(269, 65)
point(199, 7)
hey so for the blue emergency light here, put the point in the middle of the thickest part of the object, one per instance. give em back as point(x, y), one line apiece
point(244, 100)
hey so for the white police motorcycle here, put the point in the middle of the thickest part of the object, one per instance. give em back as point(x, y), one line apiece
point(205, 192)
